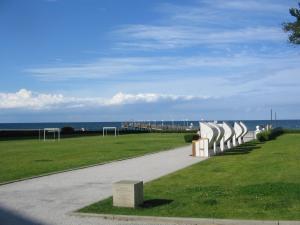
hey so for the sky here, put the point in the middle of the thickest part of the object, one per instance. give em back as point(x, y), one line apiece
point(112, 60)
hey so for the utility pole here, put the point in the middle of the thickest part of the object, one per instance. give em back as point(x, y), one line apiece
point(271, 116)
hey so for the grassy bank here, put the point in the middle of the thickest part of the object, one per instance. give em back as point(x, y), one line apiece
point(26, 158)
point(254, 181)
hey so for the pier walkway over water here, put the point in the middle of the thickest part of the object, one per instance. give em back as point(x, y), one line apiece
point(159, 126)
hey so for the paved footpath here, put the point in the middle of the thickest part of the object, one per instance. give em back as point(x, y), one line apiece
point(50, 199)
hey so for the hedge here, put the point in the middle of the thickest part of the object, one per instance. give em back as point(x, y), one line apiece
point(191, 137)
point(269, 134)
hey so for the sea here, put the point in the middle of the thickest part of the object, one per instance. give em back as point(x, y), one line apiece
point(97, 126)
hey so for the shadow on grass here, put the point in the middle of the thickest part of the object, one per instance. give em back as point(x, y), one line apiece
point(19, 138)
point(155, 203)
point(36, 137)
point(242, 149)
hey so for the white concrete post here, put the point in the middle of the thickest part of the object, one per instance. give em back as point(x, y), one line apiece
point(240, 140)
point(229, 144)
point(222, 147)
point(215, 148)
point(234, 143)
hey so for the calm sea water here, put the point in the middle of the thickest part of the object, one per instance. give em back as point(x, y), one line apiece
point(251, 124)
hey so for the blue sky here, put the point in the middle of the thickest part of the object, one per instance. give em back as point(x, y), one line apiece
point(75, 60)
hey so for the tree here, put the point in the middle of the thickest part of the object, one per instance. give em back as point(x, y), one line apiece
point(293, 28)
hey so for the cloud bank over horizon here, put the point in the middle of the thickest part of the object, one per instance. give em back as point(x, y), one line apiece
point(28, 100)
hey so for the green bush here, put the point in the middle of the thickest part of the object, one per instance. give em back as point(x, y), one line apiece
point(269, 134)
point(190, 137)
point(67, 130)
point(291, 131)
point(263, 136)
point(275, 133)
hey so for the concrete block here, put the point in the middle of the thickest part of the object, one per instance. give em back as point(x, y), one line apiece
point(203, 144)
point(128, 193)
point(196, 148)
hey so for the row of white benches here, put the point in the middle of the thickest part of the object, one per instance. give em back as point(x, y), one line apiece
point(218, 137)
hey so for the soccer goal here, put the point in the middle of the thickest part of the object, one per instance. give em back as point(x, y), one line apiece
point(105, 129)
point(54, 131)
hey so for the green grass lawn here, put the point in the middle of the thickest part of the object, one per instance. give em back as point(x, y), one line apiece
point(254, 181)
point(26, 158)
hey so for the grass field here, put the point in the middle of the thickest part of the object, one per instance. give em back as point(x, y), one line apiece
point(255, 181)
point(26, 158)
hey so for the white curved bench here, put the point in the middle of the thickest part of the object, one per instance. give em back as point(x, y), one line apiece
point(229, 133)
point(208, 135)
point(219, 142)
point(238, 130)
point(245, 131)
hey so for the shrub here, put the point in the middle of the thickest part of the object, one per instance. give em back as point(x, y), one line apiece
point(269, 134)
point(275, 133)
point(67, 130)
point(263, 136)
point(291, 131)
point(190, 137)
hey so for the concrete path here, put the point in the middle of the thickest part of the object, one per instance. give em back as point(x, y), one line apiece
point(51, 199)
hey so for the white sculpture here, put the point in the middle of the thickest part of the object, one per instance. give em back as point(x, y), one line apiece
point(219, 139)
point(228, 134)
point(238, 130)
point(208, 135)
point(245, 131)
point(257, 131)
point(222, 142)
point(216, 137)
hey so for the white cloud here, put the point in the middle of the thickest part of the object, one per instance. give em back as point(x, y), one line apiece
point(204, 23)
point(121, 98)
point(214, 5)
point(25, 99)
point(248, 5)
point(149, 37)
point(146, 67)
point(222, 13)
point(177, 31)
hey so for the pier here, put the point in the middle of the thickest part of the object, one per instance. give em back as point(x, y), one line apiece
point(156, 126)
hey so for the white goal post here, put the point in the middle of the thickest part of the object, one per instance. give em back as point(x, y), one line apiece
point(105, 129)
point(52, 130)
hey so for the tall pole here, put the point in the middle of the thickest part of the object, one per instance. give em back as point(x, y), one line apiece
point(271, 116)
